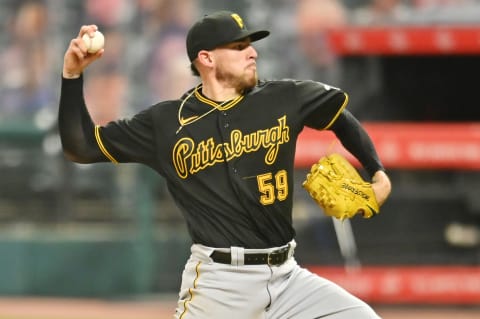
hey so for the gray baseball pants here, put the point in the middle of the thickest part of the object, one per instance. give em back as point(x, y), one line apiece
point(211, 290)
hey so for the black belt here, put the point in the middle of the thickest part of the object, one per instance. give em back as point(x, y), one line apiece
point(274, 258)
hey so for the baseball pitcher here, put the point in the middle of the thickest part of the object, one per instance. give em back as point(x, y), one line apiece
point(226, 149)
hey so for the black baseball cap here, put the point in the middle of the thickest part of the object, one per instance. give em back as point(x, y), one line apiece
point(217, 29)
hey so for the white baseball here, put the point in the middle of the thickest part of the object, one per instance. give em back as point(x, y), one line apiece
point(94, 44)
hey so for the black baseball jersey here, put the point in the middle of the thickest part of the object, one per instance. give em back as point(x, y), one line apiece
point(229, 166)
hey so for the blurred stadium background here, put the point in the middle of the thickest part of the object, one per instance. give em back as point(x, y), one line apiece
point(105, 238)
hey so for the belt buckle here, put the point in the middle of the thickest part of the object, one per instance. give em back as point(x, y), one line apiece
point(269, 259)
point(277, 252)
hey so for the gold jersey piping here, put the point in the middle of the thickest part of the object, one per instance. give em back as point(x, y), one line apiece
point(216, 105)
point(102, 147)
point(338, 113)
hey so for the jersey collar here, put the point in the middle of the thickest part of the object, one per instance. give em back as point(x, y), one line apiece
point(219, 106)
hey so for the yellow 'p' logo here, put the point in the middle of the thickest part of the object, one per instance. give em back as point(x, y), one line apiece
point(238, 20)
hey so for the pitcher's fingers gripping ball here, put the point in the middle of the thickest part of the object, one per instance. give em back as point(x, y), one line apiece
point(339, 189)
point(94, 43)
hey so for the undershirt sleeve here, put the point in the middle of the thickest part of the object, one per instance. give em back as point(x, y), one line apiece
point(356, 140)
point(76, 128)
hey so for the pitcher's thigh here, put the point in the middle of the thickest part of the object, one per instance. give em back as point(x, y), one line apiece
point(308, 296)
point(212, 291)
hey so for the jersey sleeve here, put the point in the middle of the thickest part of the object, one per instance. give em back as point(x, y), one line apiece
point(320, 104)
point(128, 140)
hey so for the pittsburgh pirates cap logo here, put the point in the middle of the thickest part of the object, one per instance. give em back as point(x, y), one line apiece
point(238, 20)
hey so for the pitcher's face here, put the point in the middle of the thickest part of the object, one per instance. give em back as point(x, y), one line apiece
point(235, 65)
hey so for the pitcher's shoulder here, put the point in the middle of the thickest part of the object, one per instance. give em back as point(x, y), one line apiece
point(274, 85)
point(276, 82)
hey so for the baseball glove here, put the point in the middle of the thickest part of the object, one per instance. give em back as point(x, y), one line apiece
point(339, 189)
